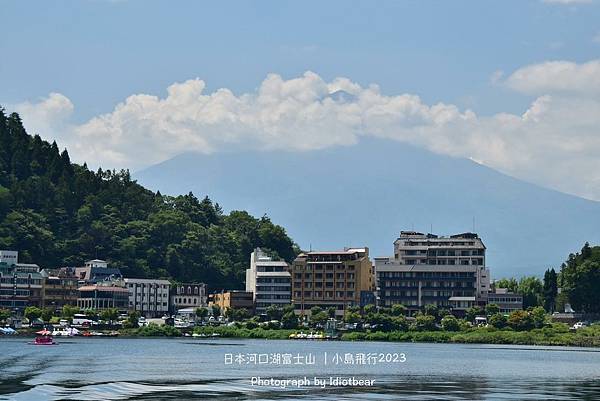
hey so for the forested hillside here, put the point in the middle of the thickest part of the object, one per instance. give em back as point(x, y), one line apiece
point(56, 213)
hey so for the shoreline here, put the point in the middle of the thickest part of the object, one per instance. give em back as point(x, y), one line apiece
point(553, 335)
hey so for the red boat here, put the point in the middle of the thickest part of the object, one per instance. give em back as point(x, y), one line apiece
point(44, 338)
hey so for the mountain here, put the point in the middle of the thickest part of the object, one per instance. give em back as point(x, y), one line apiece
point(366, 193)
point(56, 213)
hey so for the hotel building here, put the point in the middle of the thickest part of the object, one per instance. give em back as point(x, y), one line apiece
point(20, 283)
point(149, 297)
point(448, 272)
point(337, 279)
point(104, 295)
point(269, 280)
point(59, 287)
point(96, 270)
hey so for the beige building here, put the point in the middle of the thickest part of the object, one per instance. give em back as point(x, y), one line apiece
point(232, 299)
point(335, 279)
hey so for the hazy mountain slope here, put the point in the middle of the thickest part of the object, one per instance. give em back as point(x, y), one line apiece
point(365, 194)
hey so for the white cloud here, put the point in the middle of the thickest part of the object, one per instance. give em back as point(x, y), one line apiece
point(49, 113)
point(557, 77)
point(555, 142)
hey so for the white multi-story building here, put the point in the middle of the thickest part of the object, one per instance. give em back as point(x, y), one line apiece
point(426, 269)
point(9, 257)
point(149, 297)
point(269, 280)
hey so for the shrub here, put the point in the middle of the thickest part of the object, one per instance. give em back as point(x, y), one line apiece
point(425, 322)
point(497, 320)
point(450, 323)
point(520, 320)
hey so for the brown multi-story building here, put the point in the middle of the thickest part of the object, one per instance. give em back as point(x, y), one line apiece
point(59, 287)
point(337, 279)
point(233, 299)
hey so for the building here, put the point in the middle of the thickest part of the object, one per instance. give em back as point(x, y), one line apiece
point(269, 280)
point(233, 299)
point(104, 295)
point(337, 279)
point(59, 287)
point(9, 258)
point(507, 301)
point(448, 272)
point(188, 295)
point(149, 297)
point(20, 283)
point(96, 270)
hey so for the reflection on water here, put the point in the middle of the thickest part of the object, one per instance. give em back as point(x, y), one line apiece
point(163, 369)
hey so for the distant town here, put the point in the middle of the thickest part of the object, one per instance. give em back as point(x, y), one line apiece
point(446, 272)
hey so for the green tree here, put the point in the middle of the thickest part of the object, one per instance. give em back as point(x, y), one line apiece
point(315, 310)
point(509, 283)
point(399, 323)
point(538, 316)
point(580, 279)
point(472, 312)
point(32, 313)
point(550, 290)
point(4, 315)
point(531, 288)
point(201, 313)
point(69, 311)
point(109, 315)
point(132, 321)
point(352, 317)
point(237, 314)
point(520, 320)
point(450, 323)
point(497, 320)
point(491, 309)
point(216, 311)
point(64, 213)
point(274, 312)
point(369, 309)
point(431, 310)
point(425, 322)
point(289, 320)
point(318, 316)
point(398, 310)
point(47, 314)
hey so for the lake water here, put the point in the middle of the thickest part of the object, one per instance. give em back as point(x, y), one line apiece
point(222, 369)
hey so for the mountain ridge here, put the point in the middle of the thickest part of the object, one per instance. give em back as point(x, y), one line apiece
point(390, 186)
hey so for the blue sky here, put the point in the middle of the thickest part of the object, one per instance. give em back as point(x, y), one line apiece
point(97, 53)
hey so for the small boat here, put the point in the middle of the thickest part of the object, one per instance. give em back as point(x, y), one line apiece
point(44, 338)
